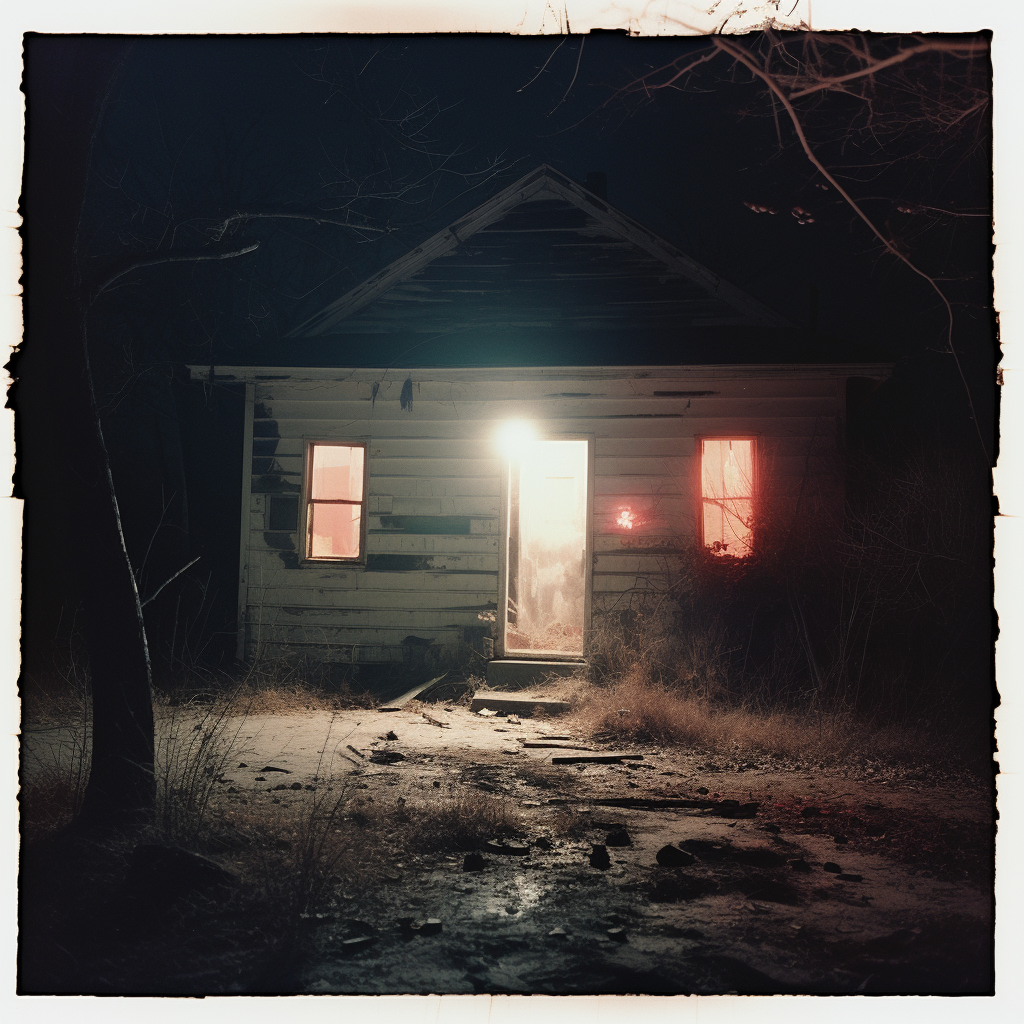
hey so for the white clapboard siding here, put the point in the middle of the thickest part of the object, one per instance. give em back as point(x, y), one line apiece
point(434, 487)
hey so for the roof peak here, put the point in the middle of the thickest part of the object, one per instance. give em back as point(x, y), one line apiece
point(544, 178)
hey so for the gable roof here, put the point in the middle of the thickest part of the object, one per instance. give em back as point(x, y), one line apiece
point(543, 253)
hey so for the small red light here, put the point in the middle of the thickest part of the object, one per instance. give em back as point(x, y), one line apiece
point(626, 518)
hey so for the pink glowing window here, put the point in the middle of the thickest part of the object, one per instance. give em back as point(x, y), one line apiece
point(727, 494)
point(335, 500)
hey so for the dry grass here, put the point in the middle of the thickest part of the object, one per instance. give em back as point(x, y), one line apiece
point(442, 823)
point(638, 709)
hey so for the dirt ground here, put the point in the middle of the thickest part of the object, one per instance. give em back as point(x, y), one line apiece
point(866, 880)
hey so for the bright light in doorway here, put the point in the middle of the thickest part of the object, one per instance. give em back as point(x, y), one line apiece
point(515, 438)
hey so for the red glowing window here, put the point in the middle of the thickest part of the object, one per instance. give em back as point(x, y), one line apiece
point(335, 492)
point(727, 494)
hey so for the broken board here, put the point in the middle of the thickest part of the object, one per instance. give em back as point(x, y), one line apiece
point(417, 691)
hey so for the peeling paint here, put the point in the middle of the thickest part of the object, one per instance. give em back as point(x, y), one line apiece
point(425, 524)
point(280, 541)
point(271, 483)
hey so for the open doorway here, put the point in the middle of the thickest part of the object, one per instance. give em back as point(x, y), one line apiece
point(546, 550)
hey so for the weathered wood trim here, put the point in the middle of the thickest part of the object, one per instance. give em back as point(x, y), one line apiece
point(685, 374)
point(502, 611)
point(243, 540)
point(305, 523)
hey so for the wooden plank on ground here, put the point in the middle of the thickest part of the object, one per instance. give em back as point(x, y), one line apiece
point(596, 758)
point(417, 691)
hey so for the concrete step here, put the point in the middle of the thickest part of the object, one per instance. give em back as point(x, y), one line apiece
point(513, 703)
point(518, 673)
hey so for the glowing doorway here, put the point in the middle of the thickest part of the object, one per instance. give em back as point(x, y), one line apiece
point(546, 550)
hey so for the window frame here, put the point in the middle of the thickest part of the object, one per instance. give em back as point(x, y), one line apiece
point(698, 476)
point(306, 523)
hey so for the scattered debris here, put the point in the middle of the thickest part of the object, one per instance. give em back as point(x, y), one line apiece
point(557, 933)
point(543, 843)
point(386, 757)
point(358, 753)
point(599, 857)
point(771, 827)
point(703, 790)
point(831, 867)
point(260, 778)
point(596, 758)
point(617, 934)
point(619, 837)
point(390, 735)
point(844, 877)
point(431, 926)
point(506, 849)
point(295, 785)
point(672, 857)
point(242, 764)
point(799, 864)
point(473, 862)
point(554, 745)
point(349, 946)
point(486, 713)
point(271, 768)
point(436, 721)
point(811, 812)
point(840, 840)
point(514, 720)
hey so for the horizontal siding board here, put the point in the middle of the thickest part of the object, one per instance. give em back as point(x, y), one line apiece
point(355, 581)
point(380, 598)
point(361, 654)
point(416, 486)
point(267, 561)
point(383, 541)
point(390, 636)
point(623, 451)
point(409, 619)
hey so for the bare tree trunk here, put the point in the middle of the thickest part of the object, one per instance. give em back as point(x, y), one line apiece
point(67, 476)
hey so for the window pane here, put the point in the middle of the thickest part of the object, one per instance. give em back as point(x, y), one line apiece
point(727, 485)
point(335, 531)
point(337, 472)
point(728, 469)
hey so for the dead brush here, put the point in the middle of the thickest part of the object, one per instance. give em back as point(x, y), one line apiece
point(194, 747)
point(637, 709)
point(54, 772)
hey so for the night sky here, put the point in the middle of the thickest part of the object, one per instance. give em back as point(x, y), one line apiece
point(405, 134)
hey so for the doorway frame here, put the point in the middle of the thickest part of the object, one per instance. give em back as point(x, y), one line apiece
point(501, 617)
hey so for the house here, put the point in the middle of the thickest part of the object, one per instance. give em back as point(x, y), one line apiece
point(415, 513)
